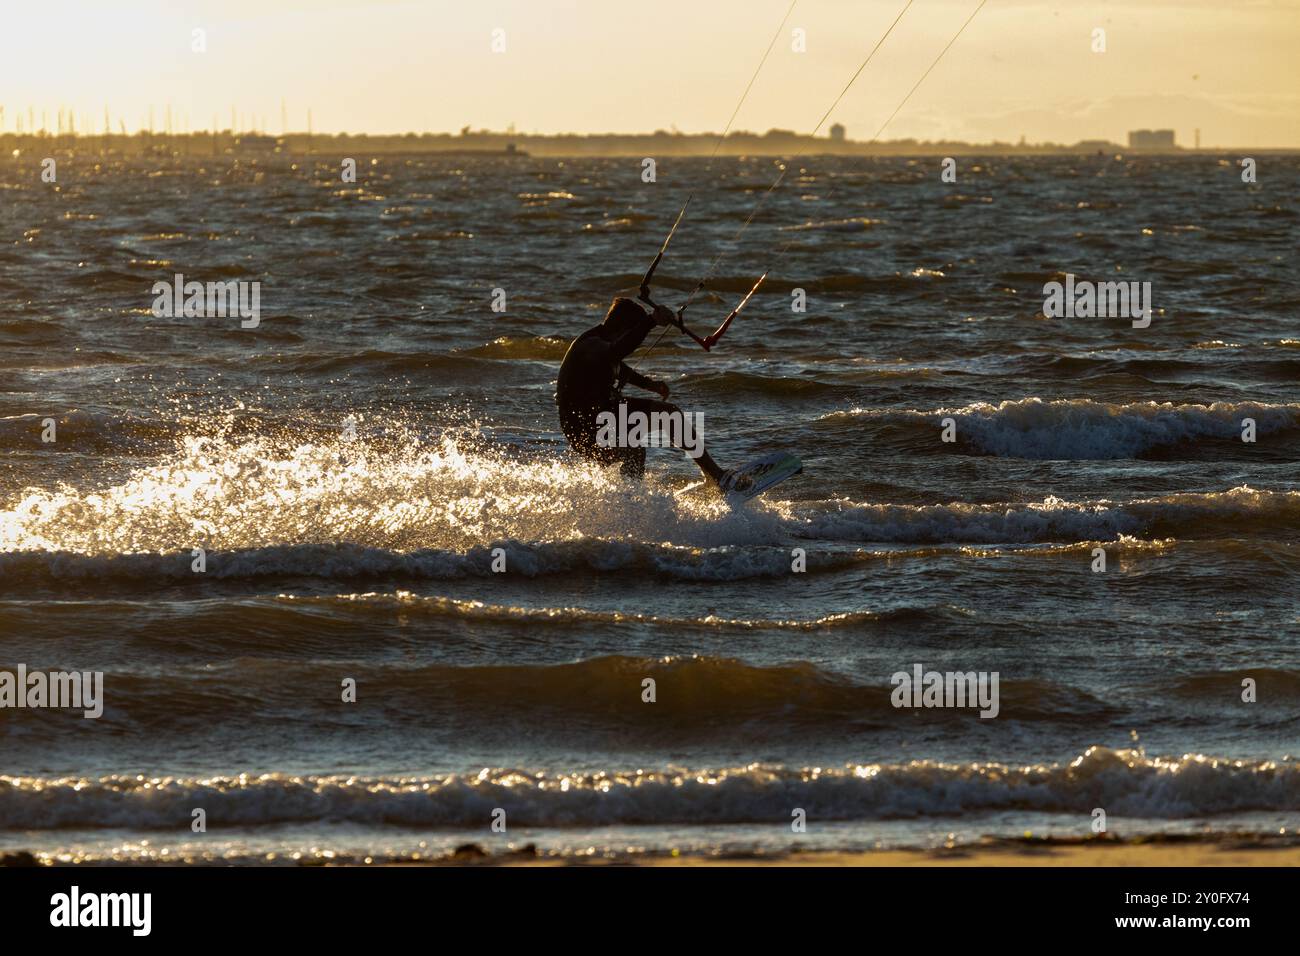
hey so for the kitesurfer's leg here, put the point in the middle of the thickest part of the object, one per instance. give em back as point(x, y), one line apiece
point(581, 430)
point(631, 458)
point(649, 407)
point(711, 468)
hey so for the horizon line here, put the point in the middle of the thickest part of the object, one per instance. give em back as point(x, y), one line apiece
point(842, 144)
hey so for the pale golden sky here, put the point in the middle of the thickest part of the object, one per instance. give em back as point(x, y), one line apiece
point(1023, 66)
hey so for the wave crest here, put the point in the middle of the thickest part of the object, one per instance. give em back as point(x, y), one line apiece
point(1125, 782)
point(1072, 429)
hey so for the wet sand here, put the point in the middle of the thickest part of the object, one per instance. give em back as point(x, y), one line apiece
point(1246, 852)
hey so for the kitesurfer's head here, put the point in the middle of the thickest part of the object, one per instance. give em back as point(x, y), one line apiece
point(622, 317)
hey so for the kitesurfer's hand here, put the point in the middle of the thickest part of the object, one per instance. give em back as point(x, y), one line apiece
point(663, 316)
point(661, 390)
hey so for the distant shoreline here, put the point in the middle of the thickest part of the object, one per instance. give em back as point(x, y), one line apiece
point(503, 145)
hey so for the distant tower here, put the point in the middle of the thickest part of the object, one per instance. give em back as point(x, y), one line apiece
point(1198, 137)
point(837, 132)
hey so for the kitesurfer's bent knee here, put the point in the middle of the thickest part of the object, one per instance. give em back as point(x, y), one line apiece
point(650, 407)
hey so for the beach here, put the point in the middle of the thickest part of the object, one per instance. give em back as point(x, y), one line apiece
point(1105, 855)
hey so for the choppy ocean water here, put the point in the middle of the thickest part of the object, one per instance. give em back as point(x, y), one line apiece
point(350, 465)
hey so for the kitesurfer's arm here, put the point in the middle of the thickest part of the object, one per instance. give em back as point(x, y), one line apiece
point(628, 374)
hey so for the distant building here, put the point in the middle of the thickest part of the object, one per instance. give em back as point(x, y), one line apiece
point(258, 143)
point(837, 132)
point(1151, 139)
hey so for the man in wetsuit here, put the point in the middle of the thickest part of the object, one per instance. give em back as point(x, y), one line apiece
point(593, 372)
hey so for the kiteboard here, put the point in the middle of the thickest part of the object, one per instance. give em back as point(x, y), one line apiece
point(753, 478)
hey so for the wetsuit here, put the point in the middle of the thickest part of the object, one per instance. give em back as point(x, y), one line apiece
point(590, 376)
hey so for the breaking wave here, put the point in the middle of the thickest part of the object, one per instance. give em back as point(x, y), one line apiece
point(1125, 782)
point(1085, 429)
point(349, 510)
